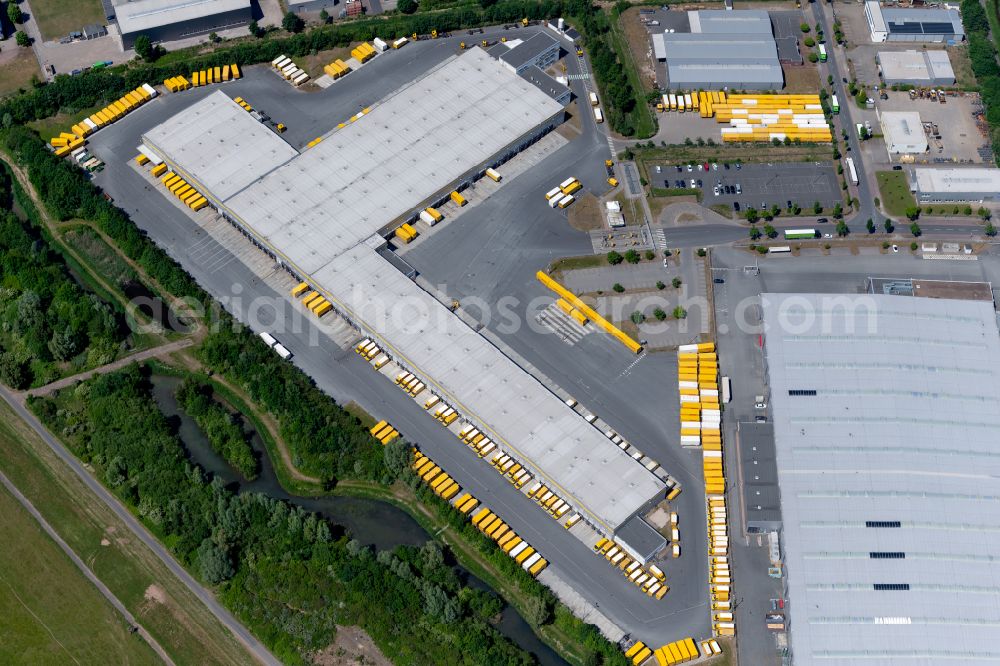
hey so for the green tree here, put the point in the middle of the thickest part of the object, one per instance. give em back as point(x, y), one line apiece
point(14, 12)
point(752, 215)
point(870, 225)
point(912, 212)
point(659, 314)
point(754, 232)
point(292, 22)
point(213, 564)
point(650, 255)
point(637, 317)
point(984, 213)
point(617, 287)
point(813, 57)
point(967, 210)
point(255, 29)
point(842, 229)
point(990, 230)
point(13, 372)
point(913, 246)
point(407, 6)
point(396, 455)
point(817, 208)
point(888, 226)
point(915, 229)
point(214, 37)
point(838, 210)
point(770, 231)
point(615, 258)
point(701, 252)
point(676, 282)
point(324, 16)
point(810, 42)
point(805, 27)
point(144, 47)
point(632, 257)
point(537, 610)
point(660, 285)
point(679, 313)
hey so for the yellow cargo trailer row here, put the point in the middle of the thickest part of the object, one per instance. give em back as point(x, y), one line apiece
point(589, 312)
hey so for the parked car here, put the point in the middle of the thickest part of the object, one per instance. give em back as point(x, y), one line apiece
point(736, 206)
point(718, 281)
point(822, 220)
point(788, 204)
point(739, 190)
point(690, 168)
point(692, 183)
point(715, 190)
point(827, 235)
point(699, 183)
point(895, 248)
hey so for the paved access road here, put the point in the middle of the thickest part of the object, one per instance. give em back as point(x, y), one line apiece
point(253, 646)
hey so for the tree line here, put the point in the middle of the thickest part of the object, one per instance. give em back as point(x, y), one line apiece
point(49, 325)
point(983, 56)
point(289, 575)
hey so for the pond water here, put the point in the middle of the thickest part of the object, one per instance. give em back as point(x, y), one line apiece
point(371, 522)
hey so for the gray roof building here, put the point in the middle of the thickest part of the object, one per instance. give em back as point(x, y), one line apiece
point(918, 68)
point(725, 49)
point(557, 91)
point(886, 423)
point(539, 50)
point(956, 184)
point(895, 24)
point(166, 20)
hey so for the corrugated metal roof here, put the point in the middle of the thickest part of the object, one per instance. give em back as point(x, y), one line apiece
point(220, 145)
point(888, 475)
point(915, 65)
point(565, 452)
point(529, 49)
point(721, 59)
point(142, 15)
point(372, 171)
point(734, 22)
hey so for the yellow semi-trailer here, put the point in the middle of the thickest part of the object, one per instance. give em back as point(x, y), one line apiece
point(493, 175)
point(199, 203)
point(192, 197)
point(458, 198)
point(183, 192)
point(512, 544)
point(524, 554)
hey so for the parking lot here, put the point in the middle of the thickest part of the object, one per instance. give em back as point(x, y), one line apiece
point(961, 140)
point(755, 185)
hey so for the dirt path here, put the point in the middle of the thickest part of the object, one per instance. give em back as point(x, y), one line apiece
point(143, 355)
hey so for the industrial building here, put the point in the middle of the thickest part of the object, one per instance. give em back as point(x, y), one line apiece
point(894, 24)
point(323, 214)
point(917, 68)
point(886, 414)
point(540, 50)
point(903, 132)
point(168, 20)
point(974, 184)
point(724, 50)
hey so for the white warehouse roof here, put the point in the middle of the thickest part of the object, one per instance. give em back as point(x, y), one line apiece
point(534, 425)
point(365, 175)
point(139, 15)
point(886, 429)
point(932, 66)
point(733, 22)
point(984, 180)
point(216, 143)
point(904, 133)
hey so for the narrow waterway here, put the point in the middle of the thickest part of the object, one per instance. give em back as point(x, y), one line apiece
point(371, 522)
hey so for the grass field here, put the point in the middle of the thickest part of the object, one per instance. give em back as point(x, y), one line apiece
point(894, 192)
point(16, 70)
point(49, 612)
point(61, 122)
point(58, 18)
point(642, 116)
point(175, 617)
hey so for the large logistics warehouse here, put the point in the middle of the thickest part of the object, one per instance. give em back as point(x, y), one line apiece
point(324, 213)
point(886, 422)
point(167, 20)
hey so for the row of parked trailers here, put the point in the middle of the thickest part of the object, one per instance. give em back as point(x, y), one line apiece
point(68, 142)
point(650, 580)
point(678, 652)
point(318, 305)
point(289, 70)
point(278, 348)
point(698, 385)
point(589, 312)
point(484, 519)
point(177, 186)
point(204, 77)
